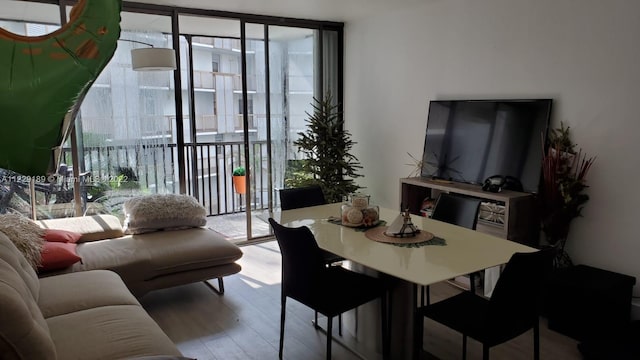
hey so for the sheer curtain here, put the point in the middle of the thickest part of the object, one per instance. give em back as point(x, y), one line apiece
point(127, 129)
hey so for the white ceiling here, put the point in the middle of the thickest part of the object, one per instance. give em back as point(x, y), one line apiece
point(325, 10)
point(328, 10)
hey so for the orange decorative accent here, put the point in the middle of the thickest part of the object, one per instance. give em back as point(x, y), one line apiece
point(80, 29)
point(32, 51)
point(87, 50)
point(76, 10)
point(240, 184)
point(103, 30)
point(58, 56)
point(58, 44)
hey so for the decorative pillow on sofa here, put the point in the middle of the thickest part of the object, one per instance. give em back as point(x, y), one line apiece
point(58, 255)
point(25, 234)
point(63, 236)
point(92, 228)
point(162, 212)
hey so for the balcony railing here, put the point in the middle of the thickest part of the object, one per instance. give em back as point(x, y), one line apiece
point(209, 168)
point(207, 80)
point(209, 175)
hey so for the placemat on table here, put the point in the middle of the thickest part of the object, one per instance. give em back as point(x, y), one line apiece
point(338, 221)
point(421, 239)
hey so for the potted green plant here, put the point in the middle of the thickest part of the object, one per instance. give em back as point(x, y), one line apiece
point(240, 180)
point(326, 147)
point(560, 138)
point(562, 193)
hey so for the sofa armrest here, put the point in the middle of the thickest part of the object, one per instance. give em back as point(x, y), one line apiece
point(92, 228)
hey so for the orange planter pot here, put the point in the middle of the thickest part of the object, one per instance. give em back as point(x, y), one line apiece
point(240, 184)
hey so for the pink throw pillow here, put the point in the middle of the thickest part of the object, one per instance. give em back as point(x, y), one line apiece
point(58, 255)
point(63, 236)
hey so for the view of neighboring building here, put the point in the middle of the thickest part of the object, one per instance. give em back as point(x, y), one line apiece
point(130, 134)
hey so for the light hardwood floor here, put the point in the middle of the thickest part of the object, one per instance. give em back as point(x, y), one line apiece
point(244, 323)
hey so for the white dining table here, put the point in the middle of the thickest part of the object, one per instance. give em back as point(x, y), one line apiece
point(466, 251)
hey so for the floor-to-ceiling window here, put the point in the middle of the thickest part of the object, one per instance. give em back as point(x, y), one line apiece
point(239, 99)
point(126, 124)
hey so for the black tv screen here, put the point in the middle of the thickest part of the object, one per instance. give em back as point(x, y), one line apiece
point(471, 140)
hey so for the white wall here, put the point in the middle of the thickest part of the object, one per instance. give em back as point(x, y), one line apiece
point(583, 54)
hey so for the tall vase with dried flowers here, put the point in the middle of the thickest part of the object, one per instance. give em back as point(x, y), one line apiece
point(562, 196)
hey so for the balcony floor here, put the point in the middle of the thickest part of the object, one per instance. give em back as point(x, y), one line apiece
point(234, 226)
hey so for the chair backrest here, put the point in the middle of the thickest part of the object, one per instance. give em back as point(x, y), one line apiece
point(295, 198)
point(301, 260)
point(514, 304)
point(458, 210)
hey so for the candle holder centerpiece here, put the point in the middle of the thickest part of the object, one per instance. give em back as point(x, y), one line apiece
point(357, 212)
point(402, 226)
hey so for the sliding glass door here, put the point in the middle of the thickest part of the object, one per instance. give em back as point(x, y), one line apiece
point(245, 99)
point(238, 100)
point(292, 85)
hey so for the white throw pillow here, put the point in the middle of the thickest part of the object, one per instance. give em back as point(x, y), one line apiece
point(162, 212)
point(26, 236)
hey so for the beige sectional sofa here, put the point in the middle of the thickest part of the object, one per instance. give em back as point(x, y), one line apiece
point(85, 315)
point(151, 260)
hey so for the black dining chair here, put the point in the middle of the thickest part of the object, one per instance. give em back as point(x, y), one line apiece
point(457, 210)
point(295, 198)
point(329, 290)
point(512, 310)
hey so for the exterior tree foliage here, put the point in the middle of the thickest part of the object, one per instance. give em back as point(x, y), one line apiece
point(326, 147)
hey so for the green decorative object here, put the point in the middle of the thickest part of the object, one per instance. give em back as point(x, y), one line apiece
point(43, 80)
point(239, 171)
point(326, 146)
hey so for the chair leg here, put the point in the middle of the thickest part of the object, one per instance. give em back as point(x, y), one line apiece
point(464, 346)
point(418, 325)
point(536, 340)
point(385, 313)
point(316, 326)
point(485, 352)
point(428, 290)
point(423, 290)
point(283, 304)
point(329, 336)
point(472, 282)
point(355, 323)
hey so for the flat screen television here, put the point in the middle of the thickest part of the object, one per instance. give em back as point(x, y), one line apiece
point(471, 140)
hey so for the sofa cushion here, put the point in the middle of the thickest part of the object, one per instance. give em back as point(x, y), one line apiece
point(13, 257)
point(58, 255)
point(64, 236)
point(145, 256)
point(26, 236)
point(121, 255)
point(176, 251)
point(95, 227)
point(109, 332)
point(24, 334)
point(167, 211)
point(67, 293)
